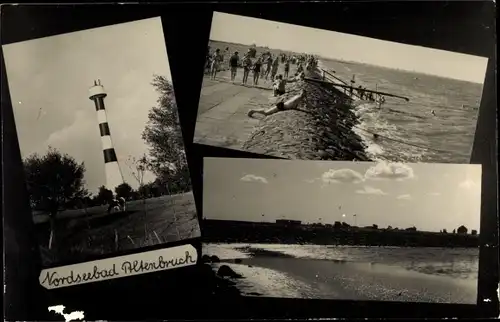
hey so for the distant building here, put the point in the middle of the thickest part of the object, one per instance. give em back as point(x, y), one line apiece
point(462, 230)
point(286, 222)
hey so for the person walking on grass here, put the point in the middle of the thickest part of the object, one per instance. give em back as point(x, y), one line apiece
point(247, 64)
point(256, 71)
point(216, 59)
point(233, 65)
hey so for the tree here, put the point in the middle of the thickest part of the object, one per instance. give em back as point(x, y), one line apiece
point(104, 195)
point(375, 226)
point(462, 230)
point(145, 190)
point(473, 232)
point(53, 180)
point(444, 231)
point(163, 134)
point(124, 190)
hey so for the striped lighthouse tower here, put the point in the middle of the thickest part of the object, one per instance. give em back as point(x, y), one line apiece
point(114, 175)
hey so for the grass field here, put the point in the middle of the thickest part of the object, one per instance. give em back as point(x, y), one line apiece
point(82, 234)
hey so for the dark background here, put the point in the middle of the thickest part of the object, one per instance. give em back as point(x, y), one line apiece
point(467, 27)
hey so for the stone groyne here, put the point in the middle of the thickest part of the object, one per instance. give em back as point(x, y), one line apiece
point(321, 129)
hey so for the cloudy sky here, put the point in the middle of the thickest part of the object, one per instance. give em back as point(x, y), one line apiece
point(229, 28)
point(430, 197)
point(49, 80)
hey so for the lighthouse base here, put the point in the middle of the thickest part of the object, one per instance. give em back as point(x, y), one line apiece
point(114, 176)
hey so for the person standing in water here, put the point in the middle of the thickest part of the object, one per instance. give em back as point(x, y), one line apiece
point(247, 64)
point(256, 71)
point(233, 65)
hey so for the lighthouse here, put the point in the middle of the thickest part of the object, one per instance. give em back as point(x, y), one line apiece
point(114, 175)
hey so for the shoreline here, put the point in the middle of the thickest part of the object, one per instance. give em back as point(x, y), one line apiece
point(282, 276)
point(321, 130)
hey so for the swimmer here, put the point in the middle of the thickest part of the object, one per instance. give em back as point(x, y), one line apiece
point(274, 67)
point(269, 63)
point(300, 69)
point(216, 59)
point(433, 113)
point(256, 71)
point(287, 67)
point(247, 65)
point(233, 65)
point(290, 104)
point(375, 136)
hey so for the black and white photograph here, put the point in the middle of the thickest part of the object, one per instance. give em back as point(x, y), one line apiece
point(381, 231)
point(101, 143)
point(297, 92)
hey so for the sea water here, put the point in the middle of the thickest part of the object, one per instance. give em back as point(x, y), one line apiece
point(408, 131)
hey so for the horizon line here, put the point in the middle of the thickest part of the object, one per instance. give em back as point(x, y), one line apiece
point(369, 64)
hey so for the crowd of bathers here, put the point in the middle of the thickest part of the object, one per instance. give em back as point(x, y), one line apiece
point(265, 66)
point(262, 65)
